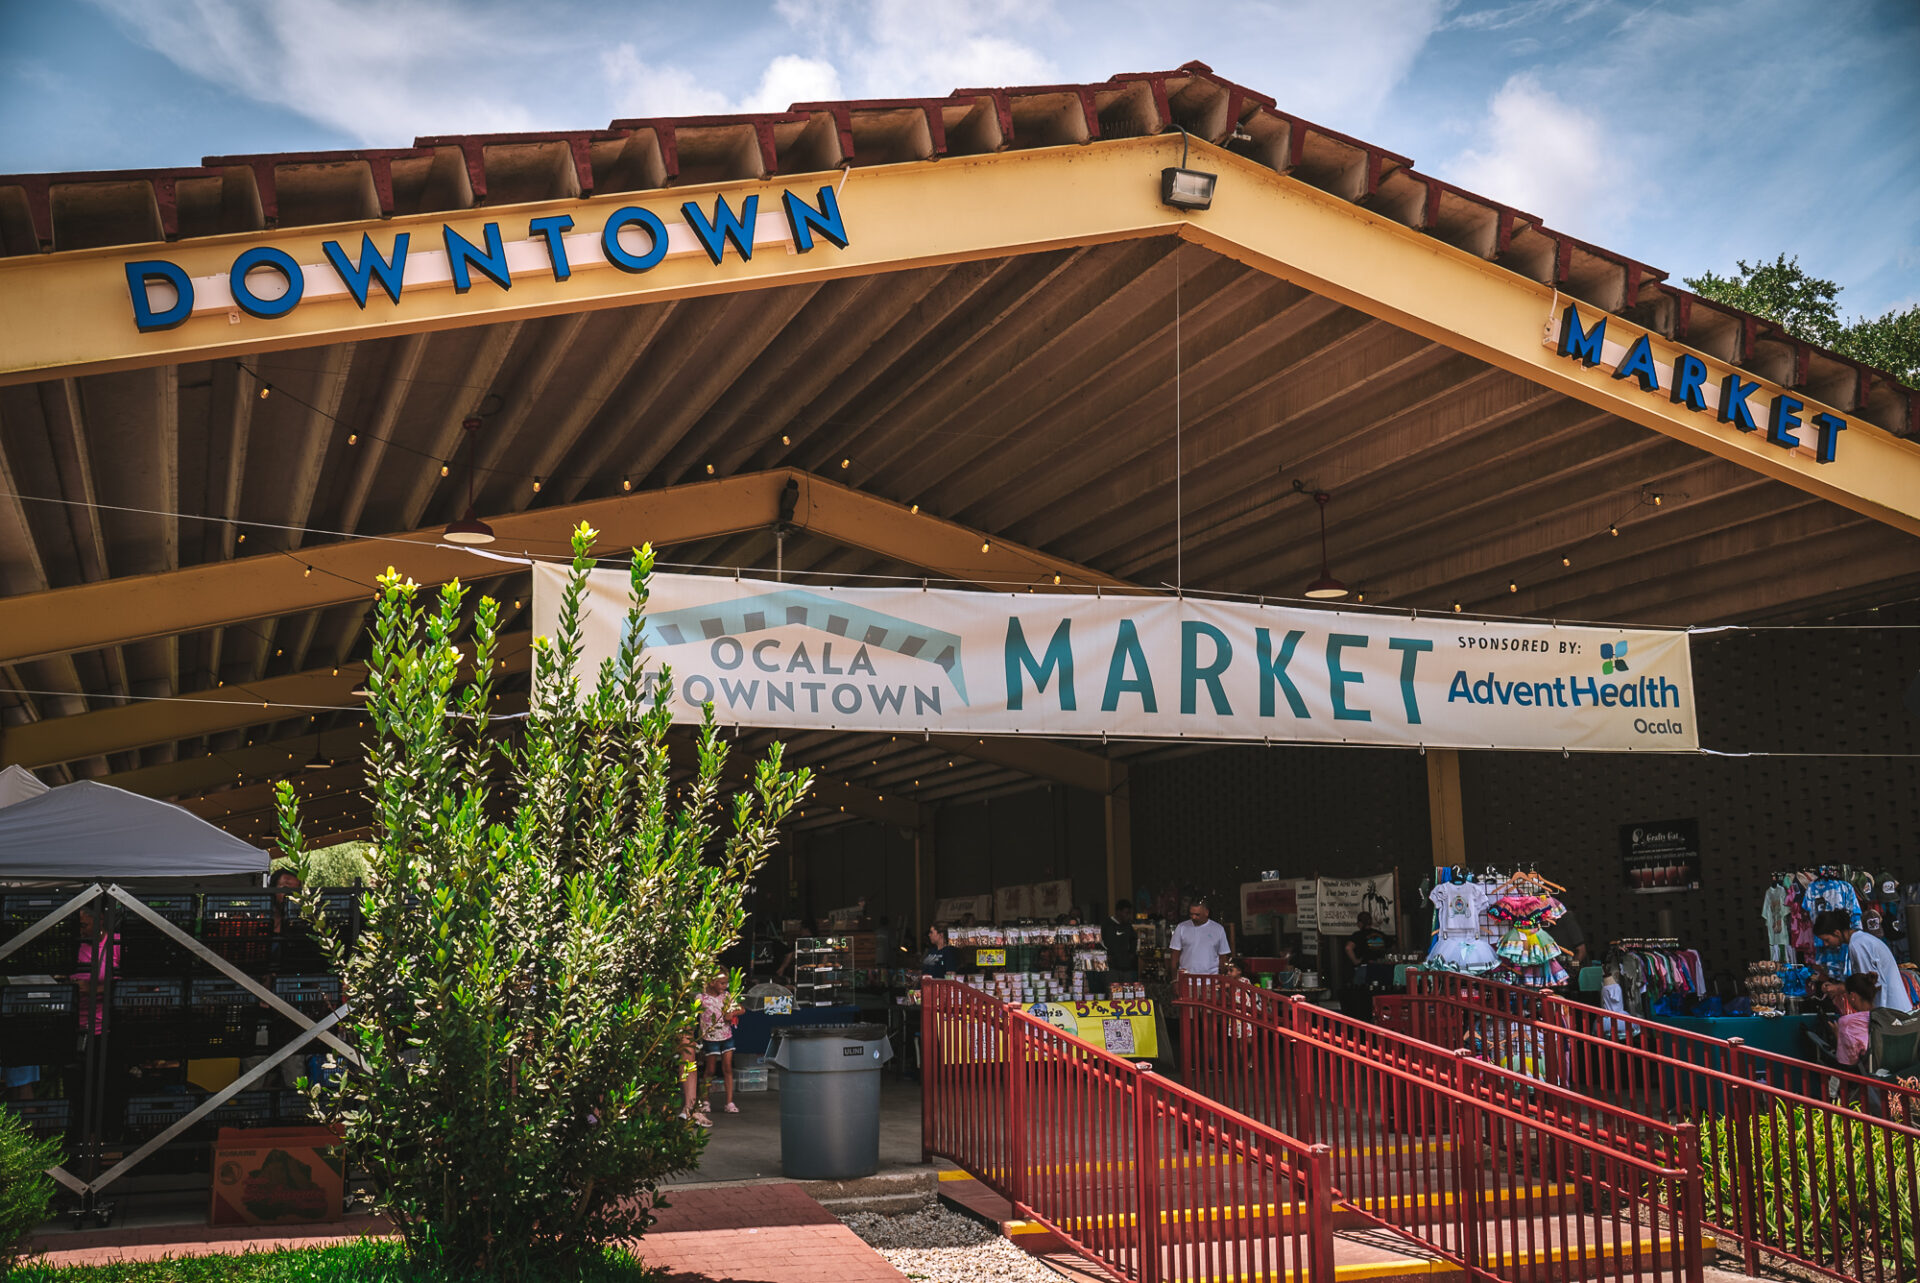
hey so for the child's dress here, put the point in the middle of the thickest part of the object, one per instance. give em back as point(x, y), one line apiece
point(1458, 945)
point(1528, 949)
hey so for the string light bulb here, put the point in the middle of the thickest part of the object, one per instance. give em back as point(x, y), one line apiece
point(986, 545)
point(1513, 586)
point(266, 390)
point(1056, 581)
point(353, 438)
point(306, 572)
point(445, 470)
point(536, 485)
point(1614, 531)
point(785, 439)
point(914, 509)
point(1566, 561)
point(242, 537)
point(1456, 607)
point(1359, 596)
point(626, 483)
point(845, 464)
point(1656, 501)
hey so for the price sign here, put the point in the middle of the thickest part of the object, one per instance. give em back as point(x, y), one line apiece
point(1125, 1028)
point(990, 957)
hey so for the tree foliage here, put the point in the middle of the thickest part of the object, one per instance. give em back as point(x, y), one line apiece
point(521, 985)
point(26, 1191)
point(1808, 307)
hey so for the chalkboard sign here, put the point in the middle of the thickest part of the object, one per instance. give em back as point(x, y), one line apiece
point(1661, 856)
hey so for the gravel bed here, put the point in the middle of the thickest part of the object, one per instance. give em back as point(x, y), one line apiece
point(938, 1245)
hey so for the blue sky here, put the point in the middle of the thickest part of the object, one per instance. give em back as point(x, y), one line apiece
point(1687, 134)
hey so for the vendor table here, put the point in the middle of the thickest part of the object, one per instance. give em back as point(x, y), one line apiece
point(1781, 1035)
point(756, 1028)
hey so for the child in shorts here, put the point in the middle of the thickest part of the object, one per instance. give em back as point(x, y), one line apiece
point(717, 1020)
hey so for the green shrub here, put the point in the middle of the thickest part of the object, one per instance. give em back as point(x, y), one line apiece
point(532, 952)
point(1830, 1185)
point(26, 1191)
point(352, 1261)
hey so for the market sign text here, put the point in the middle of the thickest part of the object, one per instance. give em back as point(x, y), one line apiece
point(269, 283)
point(1688, 381)
point(966, 662)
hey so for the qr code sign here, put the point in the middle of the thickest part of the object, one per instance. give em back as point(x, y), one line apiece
point(1118, 1036)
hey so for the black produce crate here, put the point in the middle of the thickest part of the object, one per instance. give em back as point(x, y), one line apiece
point(315, 996)
point(292, 1108)
point(42, 1117)
point(145, 949)
point(238, 925)
point(53, 951)
point(247, 1109)
point(147, 1015)
point(299, 949)
point(148, 1116)
point(223, 1017)
point(39, 1024)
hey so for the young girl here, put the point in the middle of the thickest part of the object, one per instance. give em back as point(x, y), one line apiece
point(716, 1037)
point(1856, 1005)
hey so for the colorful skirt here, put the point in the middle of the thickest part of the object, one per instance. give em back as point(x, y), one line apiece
point(1528, 947)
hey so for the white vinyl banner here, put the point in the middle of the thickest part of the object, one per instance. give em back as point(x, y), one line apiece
point(953, 660)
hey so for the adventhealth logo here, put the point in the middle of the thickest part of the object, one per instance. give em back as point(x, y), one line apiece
point(1613, 658)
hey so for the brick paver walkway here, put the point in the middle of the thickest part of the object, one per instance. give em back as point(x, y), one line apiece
point(733, 1233)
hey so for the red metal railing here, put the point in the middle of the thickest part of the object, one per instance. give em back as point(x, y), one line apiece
point(1485, 1166)
point(1631, 1036)
point(1151, 1181)
point(1786, 1173)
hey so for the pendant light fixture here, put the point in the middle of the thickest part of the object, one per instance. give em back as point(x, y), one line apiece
point(470, 529)
point(1326, 587)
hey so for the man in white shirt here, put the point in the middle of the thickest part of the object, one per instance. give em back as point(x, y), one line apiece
point(1199, 943)
point(1865, 952)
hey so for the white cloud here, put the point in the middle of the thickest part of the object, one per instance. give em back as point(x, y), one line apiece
point(908, 48)
point(638, 89)
point(328, 60)
point(790, 79)
point(1546, 157)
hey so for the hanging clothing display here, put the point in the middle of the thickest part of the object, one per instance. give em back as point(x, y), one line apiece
point(1457, 944)
point(1827, 892)
point(1528, 948)
point(1773, 911)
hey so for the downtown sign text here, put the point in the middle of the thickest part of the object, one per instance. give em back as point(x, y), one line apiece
point(268, 283)
point(1153, 667)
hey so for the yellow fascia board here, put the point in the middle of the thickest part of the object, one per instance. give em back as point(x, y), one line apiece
point(69, 313)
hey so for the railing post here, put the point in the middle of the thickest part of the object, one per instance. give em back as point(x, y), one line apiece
point(1184, 1004)
point(1466, 1162)
point(1692, 1209)
point(1016, 1044)
point(1740, 1122)
point(1320, 1215)
point(929, 1082)
point(1146, 1170)
point(1303, 1110)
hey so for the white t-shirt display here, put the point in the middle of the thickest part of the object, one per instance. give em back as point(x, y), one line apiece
point(1200, 947)
point(1870, 953)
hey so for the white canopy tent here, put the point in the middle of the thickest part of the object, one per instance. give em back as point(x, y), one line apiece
point(88, 831)
point(17, 784)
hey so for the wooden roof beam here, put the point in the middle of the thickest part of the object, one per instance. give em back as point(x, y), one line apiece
point(91, 616)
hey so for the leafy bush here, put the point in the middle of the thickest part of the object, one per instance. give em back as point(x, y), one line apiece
point(1829, 1185)
point(26, 1191)
point(352, 1261)
point(531, 953)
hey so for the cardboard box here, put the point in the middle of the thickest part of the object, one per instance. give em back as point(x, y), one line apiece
point(277, 1176)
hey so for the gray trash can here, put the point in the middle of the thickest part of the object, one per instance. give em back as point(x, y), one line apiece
point(829, 1099)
